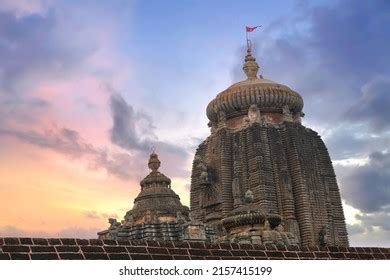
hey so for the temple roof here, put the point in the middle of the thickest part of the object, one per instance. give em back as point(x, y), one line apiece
point(266, 94)
point(156, 194)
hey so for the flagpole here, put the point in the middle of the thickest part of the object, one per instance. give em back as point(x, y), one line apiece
point(248, 41)
point(247, 44)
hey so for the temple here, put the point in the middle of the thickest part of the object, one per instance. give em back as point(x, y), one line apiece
point(261, 177)
point(157, 213)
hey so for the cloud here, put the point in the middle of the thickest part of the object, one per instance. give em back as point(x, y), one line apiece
point(373, 105)
point(355, 229)
point(121, 165)
point(354, 140)
point(134, 131)
point(372, 229)
point(367, 187)
point(348, 47)
point(36, 54)
point(23, 110)
point(377, 220)
point(64, 140)
point(51, 51)
point(69, 143)
point(43, 49)
point(131, 130)
point(31, 50)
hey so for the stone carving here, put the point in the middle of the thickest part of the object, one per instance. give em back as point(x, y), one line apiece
point(236, 190)
point(263, 120)
point(213, 127)
point(204, 171)
point(204, 174)
point(288, 117)
point(248, 224)
point(180, 218)
point(113, 223)
point(248, 197)
point(112, 232)
point(323, 236)
point(297, 117)
point(221, 119)
point(254, 114)
point(286, 166)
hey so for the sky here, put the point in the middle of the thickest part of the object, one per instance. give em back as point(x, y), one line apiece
point(87, 88)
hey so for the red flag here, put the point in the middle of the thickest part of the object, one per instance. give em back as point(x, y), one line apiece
point(250, 29)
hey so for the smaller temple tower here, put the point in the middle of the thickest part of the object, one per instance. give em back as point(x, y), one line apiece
point(157, 213)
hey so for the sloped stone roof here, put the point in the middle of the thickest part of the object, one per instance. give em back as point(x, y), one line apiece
point(156, 194)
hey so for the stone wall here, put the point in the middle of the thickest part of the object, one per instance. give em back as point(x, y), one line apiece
point(288, 170)
point(94, 249)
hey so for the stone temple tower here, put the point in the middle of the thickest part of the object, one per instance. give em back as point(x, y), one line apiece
point(157, 214)
point(258, 145)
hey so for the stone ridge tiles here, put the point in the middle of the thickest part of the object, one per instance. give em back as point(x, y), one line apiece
point(93, 249)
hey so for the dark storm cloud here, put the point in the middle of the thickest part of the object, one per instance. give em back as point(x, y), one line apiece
point(69, 143)
point(367, 187)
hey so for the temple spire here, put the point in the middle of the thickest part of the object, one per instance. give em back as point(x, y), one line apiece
point(250, 66)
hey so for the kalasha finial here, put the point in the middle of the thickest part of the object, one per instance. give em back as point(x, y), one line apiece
point(154, 162)
point(250, 66)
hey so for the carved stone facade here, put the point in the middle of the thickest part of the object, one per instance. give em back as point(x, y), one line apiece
point(157, 214)
point(258, 144)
